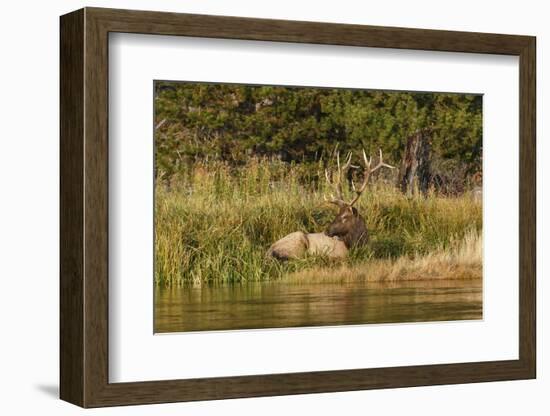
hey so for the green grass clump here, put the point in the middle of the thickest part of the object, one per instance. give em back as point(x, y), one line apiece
point(215, 223)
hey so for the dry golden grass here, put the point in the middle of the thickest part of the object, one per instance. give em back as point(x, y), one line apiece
point(461, 260)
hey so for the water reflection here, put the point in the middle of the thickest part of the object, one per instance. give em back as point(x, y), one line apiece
point(281, 304)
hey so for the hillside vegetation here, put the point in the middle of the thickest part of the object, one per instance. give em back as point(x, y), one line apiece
point(233, 123)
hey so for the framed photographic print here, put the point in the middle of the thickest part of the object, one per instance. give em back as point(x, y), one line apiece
point(255, 207)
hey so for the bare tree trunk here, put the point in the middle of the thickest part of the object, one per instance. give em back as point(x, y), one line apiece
point(415, 171)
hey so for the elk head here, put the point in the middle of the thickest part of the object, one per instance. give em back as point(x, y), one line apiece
point(349, 225)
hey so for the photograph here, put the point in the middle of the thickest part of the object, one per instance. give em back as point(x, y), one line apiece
point(305, 206)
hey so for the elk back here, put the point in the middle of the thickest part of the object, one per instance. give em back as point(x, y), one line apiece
point(298, 244)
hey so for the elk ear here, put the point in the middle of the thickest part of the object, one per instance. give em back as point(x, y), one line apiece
point(354, 211)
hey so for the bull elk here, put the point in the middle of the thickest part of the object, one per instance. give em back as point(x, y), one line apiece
point(346, 231)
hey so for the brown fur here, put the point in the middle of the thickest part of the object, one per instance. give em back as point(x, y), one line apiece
point(349, 226)
point(346, 231)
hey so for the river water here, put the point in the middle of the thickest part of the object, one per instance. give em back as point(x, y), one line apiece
point(283, 304)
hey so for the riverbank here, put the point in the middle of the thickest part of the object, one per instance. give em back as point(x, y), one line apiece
point(215, 224)
point(461, 261)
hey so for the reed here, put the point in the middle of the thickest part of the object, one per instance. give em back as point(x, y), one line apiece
point(214, 224)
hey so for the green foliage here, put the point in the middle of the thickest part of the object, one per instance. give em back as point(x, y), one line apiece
point(234, 122)
point(215, 223)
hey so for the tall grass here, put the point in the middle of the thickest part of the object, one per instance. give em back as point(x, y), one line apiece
point(215, 223)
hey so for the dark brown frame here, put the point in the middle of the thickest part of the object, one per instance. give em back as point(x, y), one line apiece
point(84, 208)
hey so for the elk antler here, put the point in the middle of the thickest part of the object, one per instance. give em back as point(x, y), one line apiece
point(336, 181)
point(366, 174)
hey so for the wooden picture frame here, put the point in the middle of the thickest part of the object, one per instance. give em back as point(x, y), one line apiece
point(84, 207)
